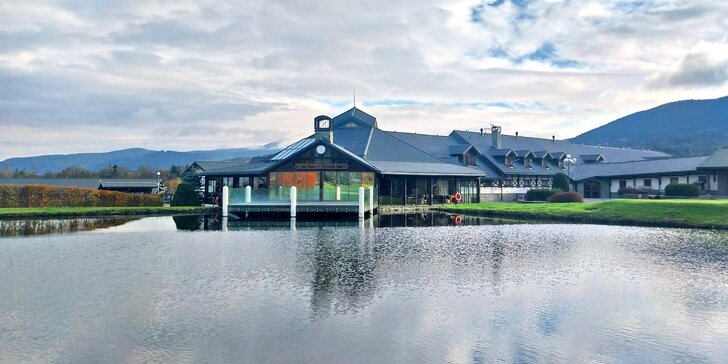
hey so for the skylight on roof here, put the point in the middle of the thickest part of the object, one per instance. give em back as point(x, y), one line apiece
point(292, 149)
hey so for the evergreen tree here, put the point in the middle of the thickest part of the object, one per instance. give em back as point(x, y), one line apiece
point(561, 182)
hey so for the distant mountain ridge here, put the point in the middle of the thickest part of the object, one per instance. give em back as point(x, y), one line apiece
point(680, 128)
point(130, 158)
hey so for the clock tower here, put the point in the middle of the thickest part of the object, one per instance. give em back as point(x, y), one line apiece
point(322, 128)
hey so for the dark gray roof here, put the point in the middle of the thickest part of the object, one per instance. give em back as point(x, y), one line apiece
point(426, 169)
point(636, 168)
point(591, 158)
point(543, 153)
point(719, 159)
point(459, 149)
point(127, 184)
point(501, 152)
point(356, 133)
point(354, 116)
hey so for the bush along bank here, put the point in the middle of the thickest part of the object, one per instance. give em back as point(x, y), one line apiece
point(49, 196)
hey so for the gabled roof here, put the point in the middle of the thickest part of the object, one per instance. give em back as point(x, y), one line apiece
point(637, 168)
point(543, 154)
point(354, 116)
point(558, 155)
point(717, 160)
point(524, 154)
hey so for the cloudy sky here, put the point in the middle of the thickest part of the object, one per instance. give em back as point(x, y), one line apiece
point(84, 76)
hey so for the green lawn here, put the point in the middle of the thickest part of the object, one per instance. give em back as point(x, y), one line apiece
point(11, 213)
point(678, 213)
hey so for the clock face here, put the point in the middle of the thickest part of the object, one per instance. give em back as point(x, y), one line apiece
point(320, 149)
point(324, 124)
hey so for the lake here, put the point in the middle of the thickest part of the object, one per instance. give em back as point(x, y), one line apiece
point(397, 289)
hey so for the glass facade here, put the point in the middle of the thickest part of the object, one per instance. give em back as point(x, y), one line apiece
point(320, 185)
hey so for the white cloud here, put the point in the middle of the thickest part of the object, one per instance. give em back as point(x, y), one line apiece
point(204, 65)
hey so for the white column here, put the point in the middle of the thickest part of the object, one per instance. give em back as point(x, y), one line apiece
point(225, 200)
point(338, 193)
point(371, 201)
point(361, 202)
point(248, 194)
point(294, 197)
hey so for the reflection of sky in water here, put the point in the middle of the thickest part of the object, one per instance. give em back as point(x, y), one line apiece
point(472, 294)
point(147, 224)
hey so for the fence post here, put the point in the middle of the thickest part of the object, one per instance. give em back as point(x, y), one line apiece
point(371, 201)
point(248, 194)
point(361, 202)
point(294, 196)
point(225, 200)
point(338, 193)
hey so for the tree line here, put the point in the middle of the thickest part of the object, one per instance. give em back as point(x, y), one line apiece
point(111, 171)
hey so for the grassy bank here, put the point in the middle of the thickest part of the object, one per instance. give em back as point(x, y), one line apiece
point(668, 213)
point(29, 212)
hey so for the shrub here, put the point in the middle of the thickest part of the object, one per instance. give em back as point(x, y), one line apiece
point(566, 197)
point(561, 182)
point(540, 194)
point(186, 196)
point(682, 190)
point(50, 196)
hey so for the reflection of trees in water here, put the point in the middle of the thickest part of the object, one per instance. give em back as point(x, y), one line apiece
point(342, 268)
point(57, 226)
point(188, 222)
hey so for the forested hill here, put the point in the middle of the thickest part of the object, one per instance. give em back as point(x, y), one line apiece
point(681, 128)
point(127, 158)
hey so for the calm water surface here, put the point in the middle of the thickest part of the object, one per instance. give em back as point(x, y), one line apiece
point(165, 289)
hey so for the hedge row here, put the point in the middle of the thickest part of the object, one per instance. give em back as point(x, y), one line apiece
point(682, 190)
point(50, 196)
point(566, 197)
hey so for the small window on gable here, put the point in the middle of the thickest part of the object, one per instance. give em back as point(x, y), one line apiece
point(527, 162)
point(509, 160)
point(350, 124)
point(469, 159)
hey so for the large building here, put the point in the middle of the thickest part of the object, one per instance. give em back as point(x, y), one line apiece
point(351, 151)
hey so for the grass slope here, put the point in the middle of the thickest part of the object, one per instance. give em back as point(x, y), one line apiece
point(671, 213)
point(13, 213)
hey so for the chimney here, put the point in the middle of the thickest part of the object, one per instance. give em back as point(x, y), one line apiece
point(481, 132)
point(495, 134)
point(516, 135)
point(322, 128)
point(553, 138)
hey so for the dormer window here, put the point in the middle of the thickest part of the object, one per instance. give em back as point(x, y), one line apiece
point(527, 162)
point(509, 160)
point(469, 159)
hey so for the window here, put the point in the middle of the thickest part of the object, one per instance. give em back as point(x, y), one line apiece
point(527, 162)
point(674, 180)
point(647, 182)
point(509, 161)
point(469, 159)
point(622, 183)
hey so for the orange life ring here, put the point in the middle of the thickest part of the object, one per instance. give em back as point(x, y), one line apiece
point(458, 220)
point(458, 196)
